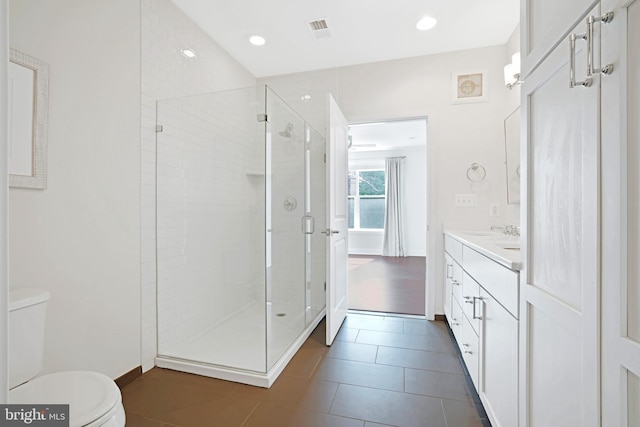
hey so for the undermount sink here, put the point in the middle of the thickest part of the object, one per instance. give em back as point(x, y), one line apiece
point(510, 245)
point(479, 233)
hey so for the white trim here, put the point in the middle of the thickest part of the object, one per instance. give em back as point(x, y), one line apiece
point(4, 287)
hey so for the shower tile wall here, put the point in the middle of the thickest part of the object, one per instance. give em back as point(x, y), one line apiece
point(166, 73)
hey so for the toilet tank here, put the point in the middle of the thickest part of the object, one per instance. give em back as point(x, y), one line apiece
point(27, 308)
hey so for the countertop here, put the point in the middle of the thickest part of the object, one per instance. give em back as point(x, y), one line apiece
point(504, 250)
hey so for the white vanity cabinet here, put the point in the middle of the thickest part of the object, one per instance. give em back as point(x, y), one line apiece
point(483, 316)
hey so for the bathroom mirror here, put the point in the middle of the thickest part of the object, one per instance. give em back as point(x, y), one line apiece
point(28, 121)
point(512, 156)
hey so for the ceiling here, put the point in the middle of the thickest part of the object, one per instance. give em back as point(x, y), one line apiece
point(389, 135)
point(360, 31)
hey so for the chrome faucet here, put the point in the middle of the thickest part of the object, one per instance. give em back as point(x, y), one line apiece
point(509, 230)
point(512, 230)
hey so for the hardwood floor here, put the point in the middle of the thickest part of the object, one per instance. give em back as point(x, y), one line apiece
point(387, 284)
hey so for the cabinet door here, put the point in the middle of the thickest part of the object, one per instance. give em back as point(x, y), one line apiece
point(456, 320)
point(469, 347)
point(456, 283)
point(621, 216)
point(544, 23)
point(559, 314)
point(499, 363)
point(448, 276)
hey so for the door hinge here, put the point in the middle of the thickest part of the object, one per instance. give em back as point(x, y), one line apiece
point(325, 157)
point(262, 118)
point(159, 128)
point(325, 286)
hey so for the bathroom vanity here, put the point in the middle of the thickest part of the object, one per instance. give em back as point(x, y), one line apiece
point(482, 281)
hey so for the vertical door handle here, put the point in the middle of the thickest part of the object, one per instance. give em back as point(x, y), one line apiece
point(308, 224)
point(474, 307)
point(449, 272)
point(607, 69)
point(572, 62)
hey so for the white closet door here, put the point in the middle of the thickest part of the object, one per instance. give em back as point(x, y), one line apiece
point(621, 216)
point(559, 320)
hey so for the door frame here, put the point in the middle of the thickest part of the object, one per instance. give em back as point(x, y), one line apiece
point(430, 238)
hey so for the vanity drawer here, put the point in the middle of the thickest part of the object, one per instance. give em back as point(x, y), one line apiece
point(496, 279)
point(453, 248)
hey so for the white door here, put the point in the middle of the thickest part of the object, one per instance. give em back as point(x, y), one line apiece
point(621, 216)
point(337, 226)
point(559, 312)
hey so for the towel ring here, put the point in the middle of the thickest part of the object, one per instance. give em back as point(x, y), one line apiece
point(476, 173)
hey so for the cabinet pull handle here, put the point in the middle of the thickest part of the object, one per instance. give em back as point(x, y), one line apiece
point(455, 282)
point(449, 274)
point(572, 62)
point(605, 19)
point(469, 300)
point(474, 307)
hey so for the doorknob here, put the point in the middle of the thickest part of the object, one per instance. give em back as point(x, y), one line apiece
point(330, 232)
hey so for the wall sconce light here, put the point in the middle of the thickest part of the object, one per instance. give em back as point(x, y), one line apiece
point(512, 72)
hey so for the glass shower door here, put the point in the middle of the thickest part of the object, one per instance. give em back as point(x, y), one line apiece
point(210, 210)
point(286, 222)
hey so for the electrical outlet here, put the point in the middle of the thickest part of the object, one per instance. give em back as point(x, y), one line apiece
point(466, 200)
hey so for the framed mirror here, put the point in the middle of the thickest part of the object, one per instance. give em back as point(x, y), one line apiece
point(28, 121)
point(512, 156)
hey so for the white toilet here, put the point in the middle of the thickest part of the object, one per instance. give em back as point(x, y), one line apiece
point(93, 398)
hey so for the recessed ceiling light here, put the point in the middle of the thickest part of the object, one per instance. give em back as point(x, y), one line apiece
point(257, 40)
point(188, 53)
point(426, 23)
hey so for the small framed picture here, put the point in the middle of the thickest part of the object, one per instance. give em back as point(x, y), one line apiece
point(469, 87)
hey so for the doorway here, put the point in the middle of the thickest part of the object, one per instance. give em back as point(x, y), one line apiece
point(391, 280)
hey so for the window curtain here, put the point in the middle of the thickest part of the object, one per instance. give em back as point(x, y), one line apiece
point(394, 240)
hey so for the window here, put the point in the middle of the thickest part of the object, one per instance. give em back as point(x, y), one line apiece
point(366, 199)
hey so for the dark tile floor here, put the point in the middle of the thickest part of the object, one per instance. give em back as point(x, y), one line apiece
point(381, 371)
point(387, 284)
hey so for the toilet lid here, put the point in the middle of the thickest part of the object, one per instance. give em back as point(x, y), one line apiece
point(90, 395)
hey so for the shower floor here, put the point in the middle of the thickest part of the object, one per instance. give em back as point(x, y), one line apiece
point(239, 342)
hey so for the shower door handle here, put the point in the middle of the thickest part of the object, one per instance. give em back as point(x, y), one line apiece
point(329, 232)
point(308, 224)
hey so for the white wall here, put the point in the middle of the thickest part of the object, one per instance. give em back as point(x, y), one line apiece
point(458, 134)
point(370, 242)
point(4, 61)
point(166, 73)
point(79, 238)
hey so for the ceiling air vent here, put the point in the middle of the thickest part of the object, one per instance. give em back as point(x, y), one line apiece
point(319, 28)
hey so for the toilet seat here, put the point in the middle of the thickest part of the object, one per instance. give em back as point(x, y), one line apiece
point(93, 398)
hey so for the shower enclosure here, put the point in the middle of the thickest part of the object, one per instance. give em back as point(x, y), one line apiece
point(240, 202)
